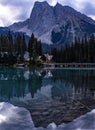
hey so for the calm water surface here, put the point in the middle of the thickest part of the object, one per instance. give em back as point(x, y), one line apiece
point(51, 95)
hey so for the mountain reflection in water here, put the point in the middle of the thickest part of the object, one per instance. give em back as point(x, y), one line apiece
point(51, 95)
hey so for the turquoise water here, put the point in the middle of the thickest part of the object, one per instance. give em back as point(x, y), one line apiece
point(55, 83)
point(44, 90)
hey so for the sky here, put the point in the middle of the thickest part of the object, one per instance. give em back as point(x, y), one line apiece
point(19, 10)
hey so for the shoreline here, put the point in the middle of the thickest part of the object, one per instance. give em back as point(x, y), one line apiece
point(52, 65)
point(70, 65)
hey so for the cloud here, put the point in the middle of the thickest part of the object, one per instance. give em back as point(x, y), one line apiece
point(18, 10)
point(6, 14)
point(89, 9)
point(14, 10)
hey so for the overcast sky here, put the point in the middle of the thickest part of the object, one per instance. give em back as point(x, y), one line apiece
point(18, 10)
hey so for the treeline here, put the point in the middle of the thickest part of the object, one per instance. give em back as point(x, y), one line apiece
point(13, 48)
point(82, 50)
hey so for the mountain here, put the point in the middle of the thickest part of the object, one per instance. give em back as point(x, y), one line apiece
point(55, 25)
point(4, 30)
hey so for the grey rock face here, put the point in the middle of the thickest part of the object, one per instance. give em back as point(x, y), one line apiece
point(55, 25)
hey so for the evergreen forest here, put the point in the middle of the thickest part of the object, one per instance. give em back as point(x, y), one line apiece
point(80, 51)
point(13, 48)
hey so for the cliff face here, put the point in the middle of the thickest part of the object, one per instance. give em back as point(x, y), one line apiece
point(55, 25)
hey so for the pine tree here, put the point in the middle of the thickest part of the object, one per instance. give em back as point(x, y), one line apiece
point(30, 44)
point(92, 48)
point(9, 41)
point(23, 47)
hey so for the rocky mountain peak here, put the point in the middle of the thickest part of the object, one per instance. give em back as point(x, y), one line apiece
point(58, 5)
point(41, 3)
point(42, 14)
point(55, 25)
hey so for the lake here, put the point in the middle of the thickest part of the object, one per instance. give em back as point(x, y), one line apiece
point(51, 95)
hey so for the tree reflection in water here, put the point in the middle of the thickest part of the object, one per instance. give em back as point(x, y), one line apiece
point(66, 84)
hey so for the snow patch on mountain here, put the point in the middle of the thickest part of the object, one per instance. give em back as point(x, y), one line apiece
point(26, 30)
point(46, 38)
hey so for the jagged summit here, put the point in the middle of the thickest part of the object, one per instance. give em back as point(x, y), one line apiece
point(39, 7)
point(38, 4)
point(56, 25)
point(57, 5)
point(41, 3)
